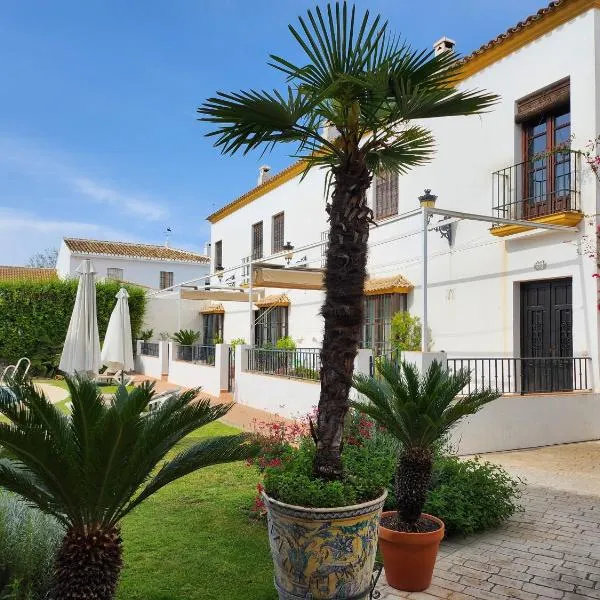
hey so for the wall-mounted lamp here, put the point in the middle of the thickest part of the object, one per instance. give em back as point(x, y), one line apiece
point(219, 272)
point(289, 252)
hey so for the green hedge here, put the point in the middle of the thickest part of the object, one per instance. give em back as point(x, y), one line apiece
point(34, 318)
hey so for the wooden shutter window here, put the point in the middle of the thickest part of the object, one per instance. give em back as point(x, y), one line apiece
point(219, 254)
point(257, 240)
point(543, 101)
point(278, 233)
point(386, 195)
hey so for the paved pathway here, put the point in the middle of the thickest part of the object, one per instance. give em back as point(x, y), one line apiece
point(54, 393)
point(551, 550)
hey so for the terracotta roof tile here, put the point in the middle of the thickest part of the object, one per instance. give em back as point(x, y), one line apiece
point(543, 12)
point(275, 300)
point(128, 249)
point(395, 284)
point(213, 309)
point(9, 273)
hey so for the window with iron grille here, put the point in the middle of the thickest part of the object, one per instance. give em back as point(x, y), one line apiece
point(166, 279)
point(257, 240)
point(377, 327)
point(386, 195)
point(324, 247)
point(278, 233)
point(114, 273)
point(218, 254)
point(212, 328)
point(270, 325)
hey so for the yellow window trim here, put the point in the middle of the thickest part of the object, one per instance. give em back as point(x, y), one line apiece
point(568, 218)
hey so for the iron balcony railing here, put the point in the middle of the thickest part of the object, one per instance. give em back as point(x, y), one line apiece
point(204, 355)
point(545, 184)
point(394, 356)
point(302, 363)
point(149, 349)
point(525, 375)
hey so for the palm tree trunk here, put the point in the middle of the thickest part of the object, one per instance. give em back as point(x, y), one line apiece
point(345, 273)
point(88, 564)
point(413, 477)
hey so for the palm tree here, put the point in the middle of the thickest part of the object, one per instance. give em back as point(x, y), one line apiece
point(419, 410)
point(369, 87)
point(92, 468)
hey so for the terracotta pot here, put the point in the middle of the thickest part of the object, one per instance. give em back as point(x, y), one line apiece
point(323, 553)
point(409, 558)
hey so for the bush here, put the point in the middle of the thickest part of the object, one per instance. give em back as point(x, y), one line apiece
point(28, 544)
point(368, 469)
point(146, 335)
point(35, 318)
point(285, 343)
point(186, 337)
point(469, 495)
point(406, 332)
point(237, 342)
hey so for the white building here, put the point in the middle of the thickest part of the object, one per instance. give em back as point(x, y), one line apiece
point(495, 290)
point(156, 267)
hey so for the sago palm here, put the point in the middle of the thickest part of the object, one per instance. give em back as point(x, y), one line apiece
point(418, 410)
point(369, 88)
point(92, 468)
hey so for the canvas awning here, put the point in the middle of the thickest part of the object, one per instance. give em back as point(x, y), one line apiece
point(222, 296)
point(289, 279)
point(275, 300)
point(213, 309)
point(395, 284)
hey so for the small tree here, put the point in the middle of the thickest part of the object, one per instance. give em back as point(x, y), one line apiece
point(406, 332)
point(146, 334)
point(46, 259)
point(92, 468)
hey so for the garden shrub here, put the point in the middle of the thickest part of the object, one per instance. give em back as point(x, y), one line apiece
point(285, 343)
point(29, 540)
point(469, 495)
point(406, 331)
point(35, 318)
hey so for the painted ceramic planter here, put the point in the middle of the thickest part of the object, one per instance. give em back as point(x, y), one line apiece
point(323, 553)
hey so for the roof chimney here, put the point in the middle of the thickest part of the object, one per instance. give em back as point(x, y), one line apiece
point(206, 248)
point(263, 174)
point(444, 44)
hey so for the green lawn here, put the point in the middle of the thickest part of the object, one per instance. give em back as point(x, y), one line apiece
point(193, 540)
point(106, 389)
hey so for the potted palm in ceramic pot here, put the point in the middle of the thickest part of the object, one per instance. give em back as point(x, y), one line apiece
point(349, 107)
point(419, 410)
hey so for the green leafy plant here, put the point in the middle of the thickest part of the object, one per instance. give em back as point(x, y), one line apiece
point(237, 342)
point(35, 318)
point(92, 468)
point(418, 409)
point(186, 337)
point(29, 540)
point(406, 331)
point(146, 334)
point(285, 343)
point(369, 88)
point(218, 339)
point(164, 336)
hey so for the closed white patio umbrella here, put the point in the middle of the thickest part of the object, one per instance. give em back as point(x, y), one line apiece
point(117, 351)
point(81, 352)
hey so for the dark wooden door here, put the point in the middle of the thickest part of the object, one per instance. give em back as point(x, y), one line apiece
point(547, 336)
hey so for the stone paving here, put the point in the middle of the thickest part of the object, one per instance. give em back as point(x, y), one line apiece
point(551, 550)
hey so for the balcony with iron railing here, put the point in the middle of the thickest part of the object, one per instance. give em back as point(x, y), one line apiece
point(543, 189)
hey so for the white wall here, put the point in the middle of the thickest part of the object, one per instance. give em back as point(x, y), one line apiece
point(145, 272)
point(474, 283)
point(514, 422)
point(153, 366)
point(189, 375)
point(169, 313)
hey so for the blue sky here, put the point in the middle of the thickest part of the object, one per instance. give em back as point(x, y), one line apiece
point(98, 131)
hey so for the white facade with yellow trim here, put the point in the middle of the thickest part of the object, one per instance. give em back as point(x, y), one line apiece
point(478, 284)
